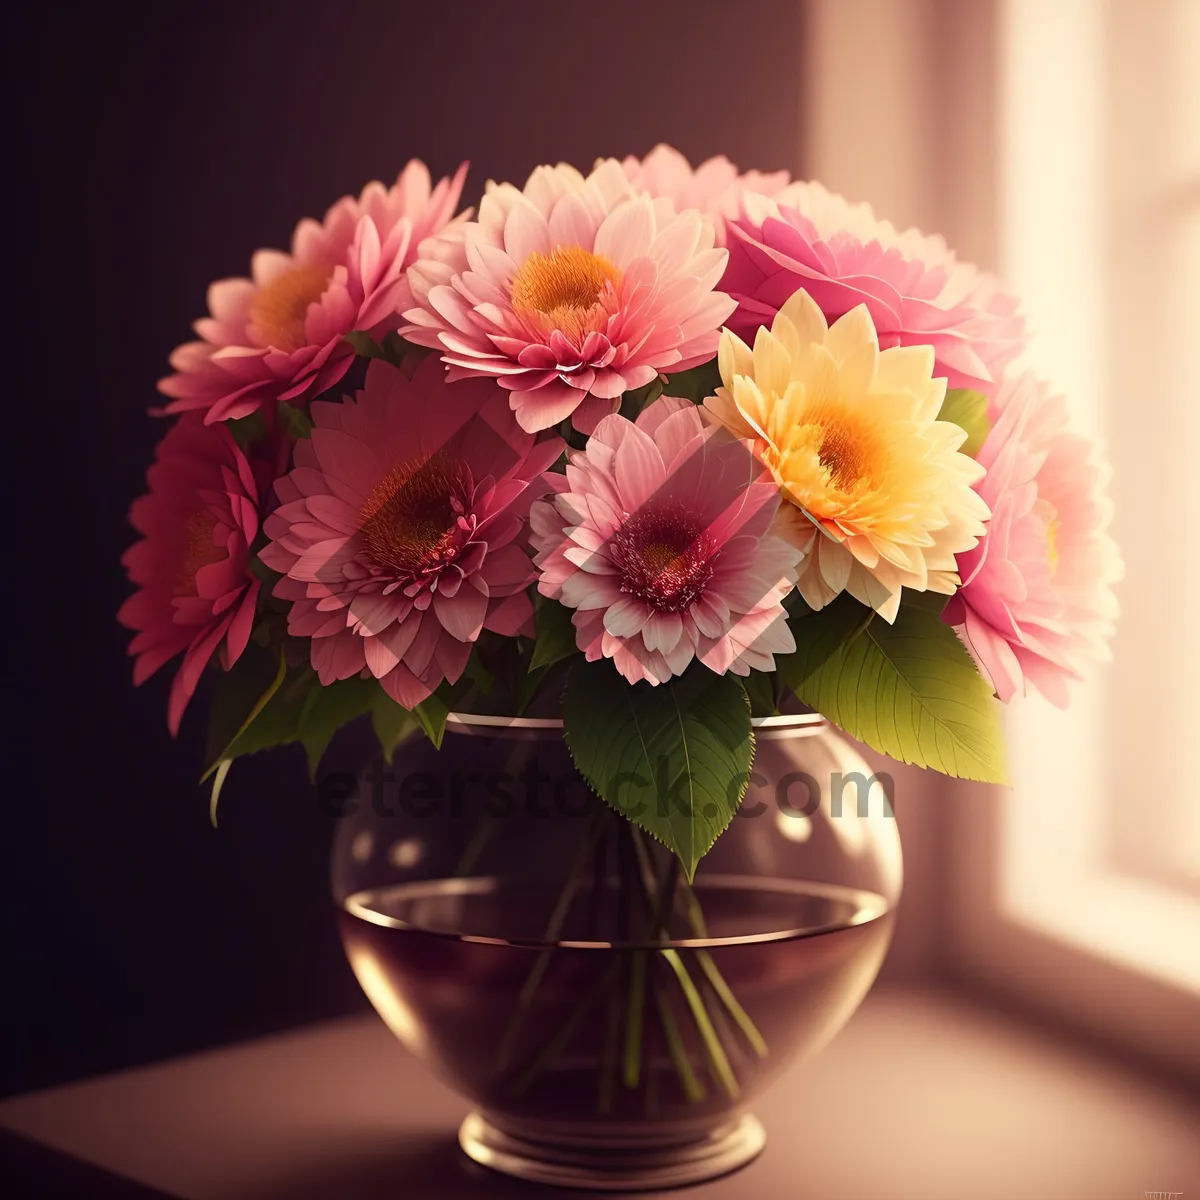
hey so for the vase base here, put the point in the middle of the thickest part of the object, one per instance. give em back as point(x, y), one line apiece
point(609, 1165)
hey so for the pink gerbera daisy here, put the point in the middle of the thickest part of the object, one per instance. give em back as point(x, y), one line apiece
point(281, 335)
point(1036, 602)
point(191, 566)
point(661, 541)
point(917, 292)
point(714, 187)
point(570, 293)
point(397, 530)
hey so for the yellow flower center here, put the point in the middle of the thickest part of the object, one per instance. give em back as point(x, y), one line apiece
point(201, 550)
point(832, 453)
point(563, 288)
point(409, 520)
point(277, 312)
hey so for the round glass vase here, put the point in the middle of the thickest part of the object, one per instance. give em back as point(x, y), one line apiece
point(610, 1020)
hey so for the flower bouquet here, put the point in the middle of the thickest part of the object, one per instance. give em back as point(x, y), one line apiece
point(662, 456)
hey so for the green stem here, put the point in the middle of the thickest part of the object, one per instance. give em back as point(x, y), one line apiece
point(716, 980)
point(740, 1016)
point(608, 1061)
point(659, 911)
point(708, 966)
point(475, 847)
point(559, 1042)
point(554, 926)
point(717, 1058)
point(631, 1063)
point(599, 883)
point(487, 826)
point(693, 1089)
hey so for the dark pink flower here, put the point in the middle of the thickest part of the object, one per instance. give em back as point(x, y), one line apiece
point(399, 530)
point(917, 292)
point(195, 593)
point(1036, 603)
point(281, 335)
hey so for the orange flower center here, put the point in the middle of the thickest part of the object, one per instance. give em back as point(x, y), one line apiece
point(563, 288)
point(843, 455)
point(410, 522)
point(278, 310)
point(201, 550)
point(842, 447)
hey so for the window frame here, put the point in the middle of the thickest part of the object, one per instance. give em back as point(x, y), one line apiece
point(1055, 916)
point(954, 167)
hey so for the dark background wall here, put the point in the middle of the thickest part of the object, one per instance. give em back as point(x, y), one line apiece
point(155, 148)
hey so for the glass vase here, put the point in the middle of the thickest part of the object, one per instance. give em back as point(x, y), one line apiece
point(611, 1021)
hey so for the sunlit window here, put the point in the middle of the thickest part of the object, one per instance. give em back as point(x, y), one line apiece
point(1099, 122)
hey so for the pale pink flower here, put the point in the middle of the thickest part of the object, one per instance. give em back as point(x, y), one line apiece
point(917, 292)
point(397, 531)
point(195, 592)
point(569, 293)
point(1036, 602)
point(715, 187)
point(281, 335)
point(662, 542)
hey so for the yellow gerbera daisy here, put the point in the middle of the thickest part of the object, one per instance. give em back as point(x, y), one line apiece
point(880, 496)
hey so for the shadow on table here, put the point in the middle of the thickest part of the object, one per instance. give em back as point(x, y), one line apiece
point(433, 1168)
point(28, 1169)
point(429, 1169)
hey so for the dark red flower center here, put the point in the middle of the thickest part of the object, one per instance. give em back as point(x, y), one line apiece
point(200, 550)
point(415, 520)
point(665, 556)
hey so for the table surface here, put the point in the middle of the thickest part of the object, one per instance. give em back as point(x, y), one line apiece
point(922, 1097)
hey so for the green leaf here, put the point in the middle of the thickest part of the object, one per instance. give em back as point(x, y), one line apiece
point(327, 709)
point(295, 420)
point(263, 573)
point(910, 690)
point(933, 602)
point(248, 430)
point(364, 344)
point(674, 759)
point(292, 707)
point(241, 695)
point(391, 722)
point(228, 705)
point(555, 644)
point(967, 410)
point(794, 604)
point(821, 633)
point(222, 773)
point(432, 714)
point(696, 384)
point(760, 687)
point(392, 348)
point(632, 403)
point(477, 673)
point(555, 634)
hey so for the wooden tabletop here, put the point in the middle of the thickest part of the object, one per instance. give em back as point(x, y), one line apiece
point(923, 1097)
